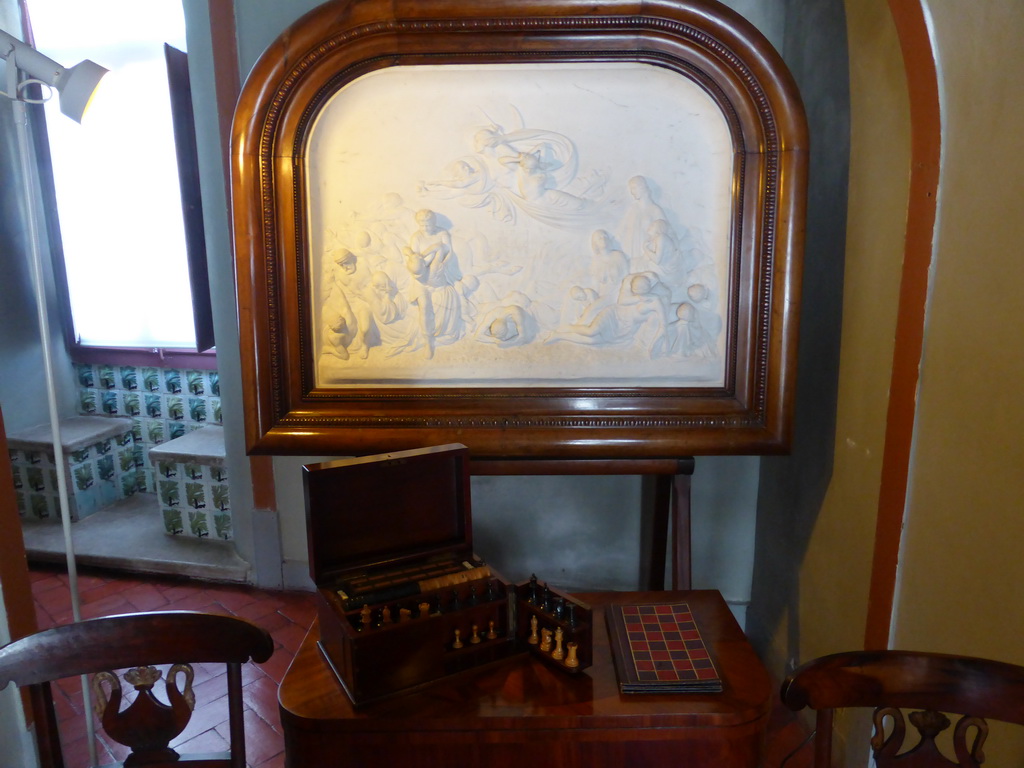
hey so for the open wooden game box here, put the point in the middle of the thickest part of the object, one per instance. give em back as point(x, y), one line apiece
point(403, 598)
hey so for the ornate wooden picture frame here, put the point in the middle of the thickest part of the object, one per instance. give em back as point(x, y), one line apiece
point(538, 230)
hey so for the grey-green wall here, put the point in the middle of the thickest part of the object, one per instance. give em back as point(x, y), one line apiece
point(792, 487)
point(22, 377)
point(584, 532)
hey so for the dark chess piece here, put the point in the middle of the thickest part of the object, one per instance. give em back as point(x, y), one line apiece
point(546, 603)
point(454, 604)
point(473, 599)
point(532, 599)
point(572, 615)
point(489, 595)
point(559, 608)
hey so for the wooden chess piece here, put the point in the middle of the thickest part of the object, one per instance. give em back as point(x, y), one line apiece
point(558, 653)
point(424, 609)
point(365, 617)
point(385, 615)
point(571, 660)
point(491, 632)
point(545, 640)
point(533, 639)
point(404, 614)
point(475, 637)
point(458, 639)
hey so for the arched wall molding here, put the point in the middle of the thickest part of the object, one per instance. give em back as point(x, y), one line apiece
point(926, 136)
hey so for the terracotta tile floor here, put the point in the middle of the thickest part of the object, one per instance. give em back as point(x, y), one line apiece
point(286, 615)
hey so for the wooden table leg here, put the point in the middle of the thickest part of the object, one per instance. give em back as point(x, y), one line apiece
point(665, 499)
point(681, 561)
point(656, 503)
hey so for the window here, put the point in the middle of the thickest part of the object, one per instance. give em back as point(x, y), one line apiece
point(116, 178)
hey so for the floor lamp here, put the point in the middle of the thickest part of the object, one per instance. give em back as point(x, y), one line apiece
point(75, 87)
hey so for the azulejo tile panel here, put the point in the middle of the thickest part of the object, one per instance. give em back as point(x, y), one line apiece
point(193, 485)
point(194, 499)
point(166, 403)
point(96, 472)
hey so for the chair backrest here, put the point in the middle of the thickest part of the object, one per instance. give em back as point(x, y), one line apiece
point(139, 642)
point(931, 684)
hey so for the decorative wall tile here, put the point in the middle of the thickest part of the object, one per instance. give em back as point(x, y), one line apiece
point(198, 524)
point(196, 382)
point(87, 401)
point(197, 409)
point(151, 379)
point(86, 375)
point(172, 521)
point(172, 381)
point(131, 404)
point(109, 404)
point(129, 378)
point(106, 377)
point(175, 408)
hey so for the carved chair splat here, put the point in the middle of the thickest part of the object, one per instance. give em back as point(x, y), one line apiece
point(931, 684)
point(138, 643)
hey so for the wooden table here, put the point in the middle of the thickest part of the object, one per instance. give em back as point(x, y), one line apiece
point(520, 712)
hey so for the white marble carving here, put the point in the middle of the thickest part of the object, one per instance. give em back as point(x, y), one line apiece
point(523, 225)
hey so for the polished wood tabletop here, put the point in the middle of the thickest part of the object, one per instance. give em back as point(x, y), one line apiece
point(523, 712)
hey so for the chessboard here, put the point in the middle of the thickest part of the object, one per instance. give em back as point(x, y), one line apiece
point(658, 648)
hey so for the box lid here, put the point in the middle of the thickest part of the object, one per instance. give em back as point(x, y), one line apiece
point(387, 509)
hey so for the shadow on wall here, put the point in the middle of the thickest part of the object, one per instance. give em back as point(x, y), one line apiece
point(792, 488)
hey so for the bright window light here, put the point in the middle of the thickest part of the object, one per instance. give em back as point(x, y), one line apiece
point(116, 175)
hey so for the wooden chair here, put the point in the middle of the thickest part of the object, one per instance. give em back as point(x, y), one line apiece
point(137, 642)
point(928, 683)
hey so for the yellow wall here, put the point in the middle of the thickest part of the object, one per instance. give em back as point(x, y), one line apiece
point(819, 558)
point(963, 559)
point(836, 571)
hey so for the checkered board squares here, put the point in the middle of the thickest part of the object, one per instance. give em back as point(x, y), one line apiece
point(659, 648)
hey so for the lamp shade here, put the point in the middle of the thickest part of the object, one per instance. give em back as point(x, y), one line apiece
point(77, 86)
